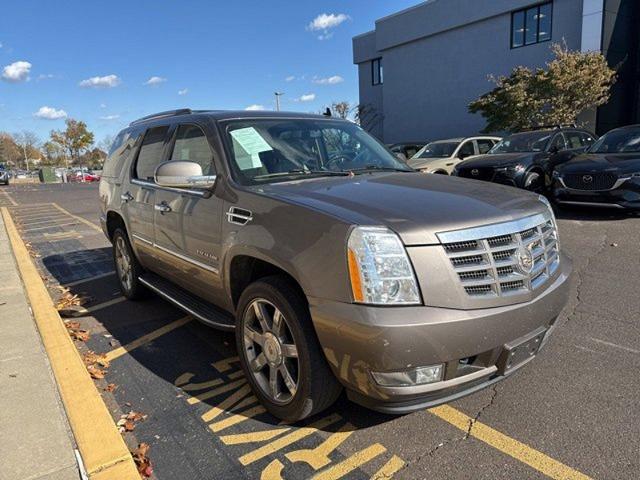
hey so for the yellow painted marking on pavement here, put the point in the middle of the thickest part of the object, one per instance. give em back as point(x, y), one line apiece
point(149, 337)
point(45, 227)
point(237, 418)
point(99, 306)
point(10, 198)
point(319, 457)
point(183, 382)
point(226, 404)
point(345, 467)
point(388, 469)
point(62, 235)
point(225, 364)
point(292, 437)
point(103, 450)
point(89, 279)
point(235, 375)
point(252, 437)
point(524, 453)
point(37, 222)
point(215, 392)
point(80, 219)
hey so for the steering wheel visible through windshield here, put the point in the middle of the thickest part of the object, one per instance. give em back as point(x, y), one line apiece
point(270, 150)
point(523, 142)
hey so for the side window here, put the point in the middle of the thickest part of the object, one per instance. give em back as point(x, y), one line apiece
point(376, 72)
point(192, 145)
point(150, 155)
point(466, 150)
point(558, 142)
point(574, 140)
point(587, 139)
point(484, 145)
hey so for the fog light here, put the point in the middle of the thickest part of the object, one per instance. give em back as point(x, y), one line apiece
point(407, 378)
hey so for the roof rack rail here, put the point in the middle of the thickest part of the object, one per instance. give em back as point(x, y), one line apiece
point(168, 113)
point(543, 127)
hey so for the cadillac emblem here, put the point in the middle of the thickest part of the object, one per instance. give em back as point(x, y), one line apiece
point(475, 172)
point(524, 256)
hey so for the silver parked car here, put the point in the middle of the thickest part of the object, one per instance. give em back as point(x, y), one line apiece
point(336, 265)
point(442, 156)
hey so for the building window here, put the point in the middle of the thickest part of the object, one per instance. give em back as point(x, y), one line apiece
point(376, 71)
point(531, 25)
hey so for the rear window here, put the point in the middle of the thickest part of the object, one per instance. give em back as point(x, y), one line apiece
point(119, 153)
point(150, 155)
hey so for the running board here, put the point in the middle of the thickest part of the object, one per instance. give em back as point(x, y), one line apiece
point(204, 311)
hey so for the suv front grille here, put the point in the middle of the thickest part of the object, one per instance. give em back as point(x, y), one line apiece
point(591, 182)
point(484, 173)
point(493, 266)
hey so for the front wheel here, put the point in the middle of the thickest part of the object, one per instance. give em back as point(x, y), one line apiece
point(534, 182)
point(279, 352)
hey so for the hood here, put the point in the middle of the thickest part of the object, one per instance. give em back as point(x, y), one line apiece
point(414, 205)
point(621, 163)
point(419, 163)
point(499, 159)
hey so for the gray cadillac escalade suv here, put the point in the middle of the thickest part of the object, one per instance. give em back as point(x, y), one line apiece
point(335, 264)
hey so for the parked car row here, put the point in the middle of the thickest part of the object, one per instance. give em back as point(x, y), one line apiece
point(568, 164)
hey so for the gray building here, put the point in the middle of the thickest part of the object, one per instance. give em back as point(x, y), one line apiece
point(419, 69)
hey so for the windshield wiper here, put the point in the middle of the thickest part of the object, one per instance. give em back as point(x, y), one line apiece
point(300, 171)
point(380, 169)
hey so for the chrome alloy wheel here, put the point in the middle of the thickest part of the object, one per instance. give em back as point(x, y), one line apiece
point(271, 351)
point(123, 264)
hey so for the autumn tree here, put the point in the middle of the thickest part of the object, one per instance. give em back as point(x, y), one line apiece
point(10, 153)
point(572, 83)
point(28, 143)
point(75, 139)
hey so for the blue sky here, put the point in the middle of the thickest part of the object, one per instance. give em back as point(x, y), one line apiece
point(93, 60)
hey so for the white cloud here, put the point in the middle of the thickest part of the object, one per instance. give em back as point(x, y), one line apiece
point(110, 117)
point(50, 113)
point(326, 22)
point(308, 97)
point(103, 105)
point(255, 106)
point(108, 81)
point(333, 80)
point(1, 45)
point(184, 91)
point(155, 80)
point(290, 78)
point(16, 72)
point(44, 76)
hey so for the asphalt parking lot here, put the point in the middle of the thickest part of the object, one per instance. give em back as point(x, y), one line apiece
point(571, 413)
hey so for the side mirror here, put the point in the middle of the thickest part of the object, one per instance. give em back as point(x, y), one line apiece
point(182, 174)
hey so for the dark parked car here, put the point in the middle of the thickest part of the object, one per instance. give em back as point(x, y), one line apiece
point(608, 174)
point(4, 175)
point(526, 160)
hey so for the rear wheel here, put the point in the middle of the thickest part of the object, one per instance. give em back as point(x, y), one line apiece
point(280, 353)
point(128, 269)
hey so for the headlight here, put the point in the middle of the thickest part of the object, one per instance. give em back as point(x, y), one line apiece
point(379, 268)
point(517, 168)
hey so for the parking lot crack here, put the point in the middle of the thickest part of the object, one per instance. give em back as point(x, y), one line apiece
point(474, 420)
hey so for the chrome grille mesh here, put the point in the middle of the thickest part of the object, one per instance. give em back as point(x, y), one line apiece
point(491, 266)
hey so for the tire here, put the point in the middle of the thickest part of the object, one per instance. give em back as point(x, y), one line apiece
point(127, 278)
point(534, 182)
point(269, 348)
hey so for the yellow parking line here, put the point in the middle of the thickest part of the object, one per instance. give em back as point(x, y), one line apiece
point(99, 306)
point(118, 352)
point(89, 279)
point(10, 198)
point(80, 219)
point(389, 469)
point(340, 470)
point(103, 450)
point(521, 452)
point(28, 229)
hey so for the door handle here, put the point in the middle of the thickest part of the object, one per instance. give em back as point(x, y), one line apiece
point(162, 207)
point(126, 197)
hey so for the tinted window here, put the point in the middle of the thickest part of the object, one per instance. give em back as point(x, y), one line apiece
point(523, 142)
point(150, 155)
point(192, 145)
point(624, 140)
point(587, 139)
point(119, 153)
point(575, 140)
point(484, 145)
point(466, 150)
point(437, 149)
point(558, 142)
point(531, 25)
point(376, 71)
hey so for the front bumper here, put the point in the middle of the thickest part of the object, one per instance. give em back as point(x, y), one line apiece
point(359, 339)
point(626, 195)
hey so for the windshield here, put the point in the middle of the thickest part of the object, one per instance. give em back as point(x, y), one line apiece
point(626, 140)
point(523, 142)
point(436, 149)
point(272, 150)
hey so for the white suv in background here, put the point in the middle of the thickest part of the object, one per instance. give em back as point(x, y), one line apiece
point(442, 156)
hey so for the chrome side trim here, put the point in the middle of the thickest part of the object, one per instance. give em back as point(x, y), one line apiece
point(142, 239)
point(181, 305)
point(591, 204)
point(204, 266)
point(618, 183)
point(143, 183)
point(495, 230)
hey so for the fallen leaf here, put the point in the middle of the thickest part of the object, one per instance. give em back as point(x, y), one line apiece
point(110, 387)
point(142, 460)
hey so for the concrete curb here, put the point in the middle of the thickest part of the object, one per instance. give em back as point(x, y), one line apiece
point(103, 450)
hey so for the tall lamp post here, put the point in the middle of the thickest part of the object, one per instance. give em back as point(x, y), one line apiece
point(278, 95)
